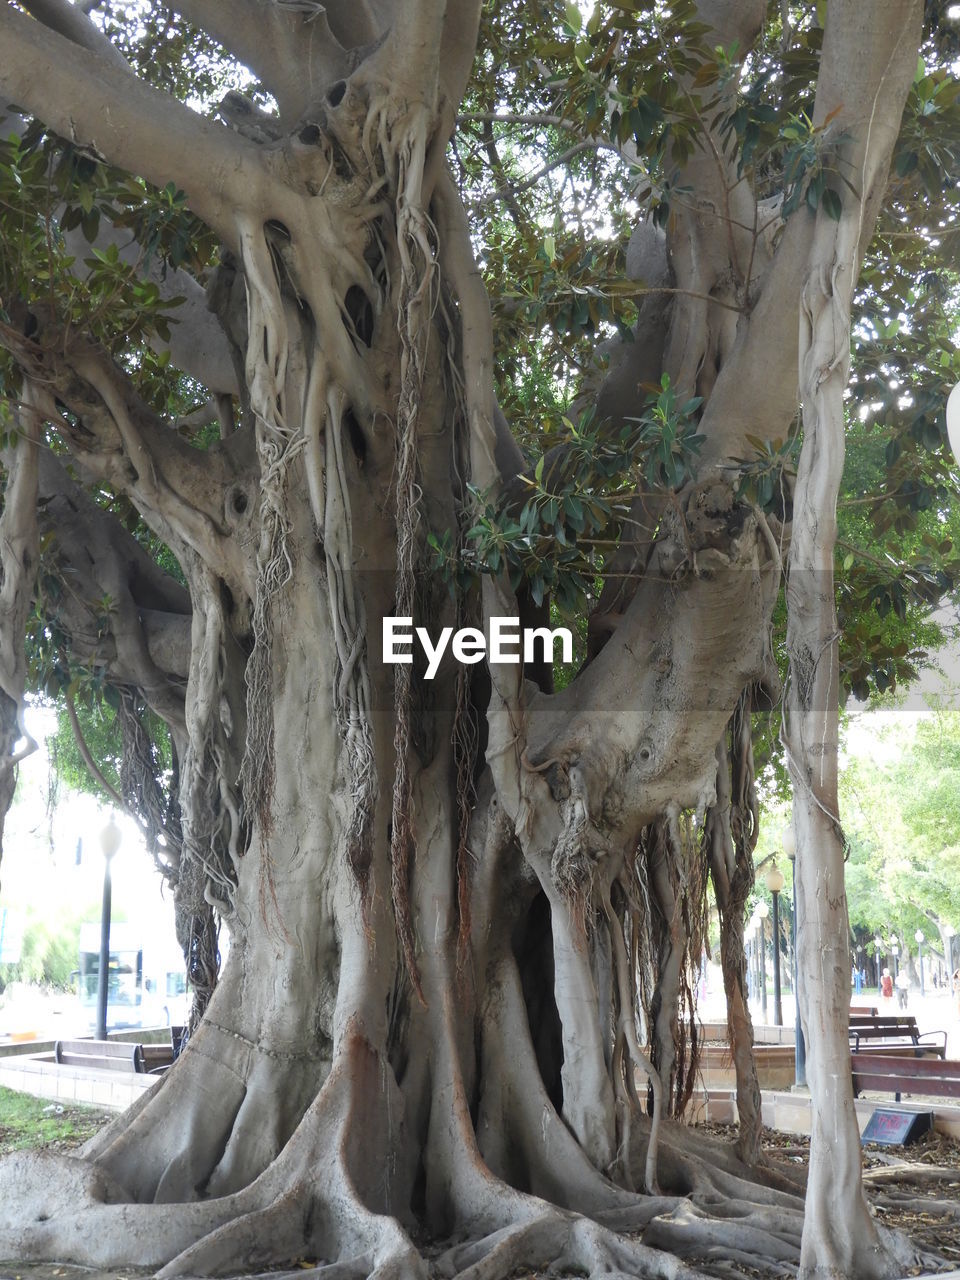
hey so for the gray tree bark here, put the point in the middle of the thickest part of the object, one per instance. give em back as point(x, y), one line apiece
point(427, 1023)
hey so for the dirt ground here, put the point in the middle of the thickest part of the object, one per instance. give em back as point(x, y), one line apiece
point(927, 1210)
point(924, 1202)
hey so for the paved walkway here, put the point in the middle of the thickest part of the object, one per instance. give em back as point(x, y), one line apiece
point(933, 1011)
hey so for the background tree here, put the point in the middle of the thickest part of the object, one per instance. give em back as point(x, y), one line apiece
point(258, 402)
point(901, 816)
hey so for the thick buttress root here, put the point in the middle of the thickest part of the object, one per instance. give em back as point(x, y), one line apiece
point(338, 1196)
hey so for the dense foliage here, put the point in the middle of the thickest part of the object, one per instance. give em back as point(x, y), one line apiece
point(564, 136)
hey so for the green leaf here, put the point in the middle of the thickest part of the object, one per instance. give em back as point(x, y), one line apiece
point(832, 204)
point(90, 225)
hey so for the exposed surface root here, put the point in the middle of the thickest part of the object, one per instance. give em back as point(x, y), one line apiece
point(560, 1242)
point(918, 1173)
point(688, 1232)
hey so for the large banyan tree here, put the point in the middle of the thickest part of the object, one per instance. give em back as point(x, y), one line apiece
point(257, 401)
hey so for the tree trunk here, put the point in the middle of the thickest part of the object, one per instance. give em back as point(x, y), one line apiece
point(426, 1027)
point(840, 1237)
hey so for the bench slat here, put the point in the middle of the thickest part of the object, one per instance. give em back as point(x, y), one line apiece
point(891, 1031)
point(156, 1055)
point(106, 1055)
point(884, 1073)
point(905, 1065)
point(99, 1048)
point(101, 1064)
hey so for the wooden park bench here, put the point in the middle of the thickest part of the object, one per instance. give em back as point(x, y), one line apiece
point(155, 1057)
point(934, 1077)
point(864, 1010)
point(112, 1055)
point(884, 1033)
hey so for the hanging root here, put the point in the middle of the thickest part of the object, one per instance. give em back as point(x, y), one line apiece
point(352, 692)
point(212, 831)
point(278, 443)
point(635, 1058)
point(729, 839)
point(416, 245)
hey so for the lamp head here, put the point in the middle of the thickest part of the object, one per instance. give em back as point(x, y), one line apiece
point(110, 838)
point(789, 841)
point(918, 936)
point(762, 910)
point(774, 878)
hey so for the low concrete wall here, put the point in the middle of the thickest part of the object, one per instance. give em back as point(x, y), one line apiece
point(29, 1068)
point(763, 1033)
point(131, 1035)
point(790, 1111)
point(776, 1066)
point(40, 1076)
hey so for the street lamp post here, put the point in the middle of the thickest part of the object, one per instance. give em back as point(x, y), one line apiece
point(109, 844)
point(919, 940)
point(895, 951)
point(762, 912)
point(752, 944)
point(800, 1047)
point(748, 945)
point(775, 882)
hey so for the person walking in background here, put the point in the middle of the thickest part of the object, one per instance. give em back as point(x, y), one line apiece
point(903, 987)
point(886, 986)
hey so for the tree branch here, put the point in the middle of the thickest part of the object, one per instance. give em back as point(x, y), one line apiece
point(18, 566)
point(89, 101)
point(590, 144)
point(71, 22)
point(504, 187)
point(292, 50)
point(180, 491)
point(756, 390)
point(197, 344)
point(87, 756)
point(113, 598)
